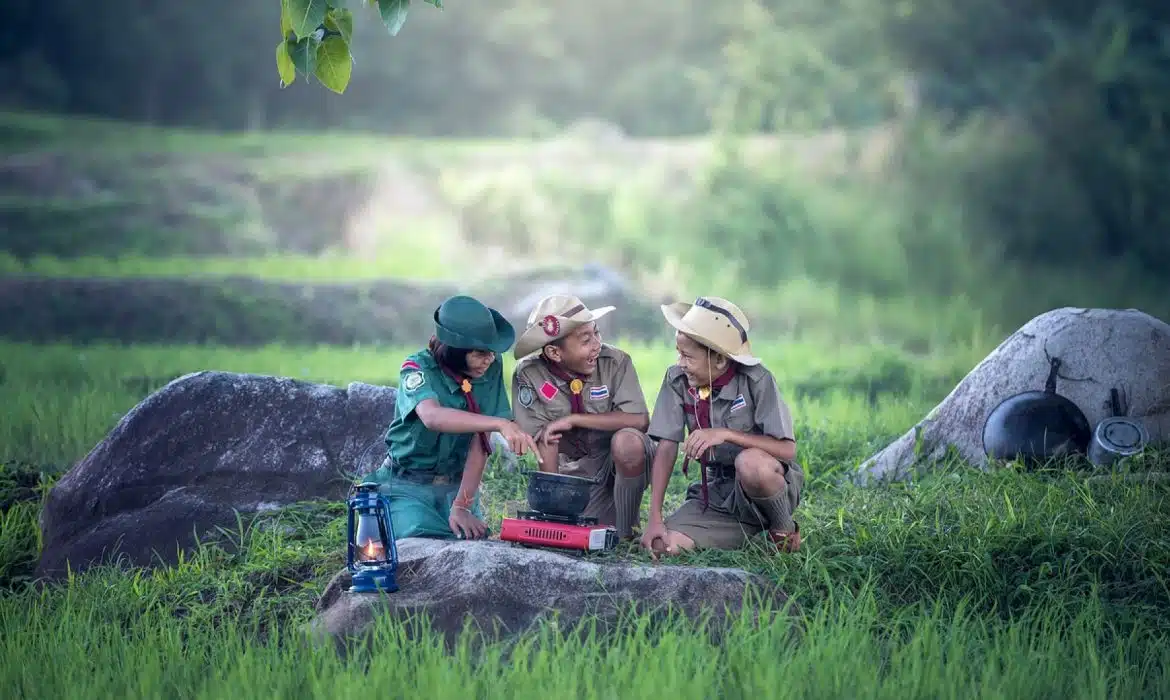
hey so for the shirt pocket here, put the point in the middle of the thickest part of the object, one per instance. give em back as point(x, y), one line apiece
point(741, 415)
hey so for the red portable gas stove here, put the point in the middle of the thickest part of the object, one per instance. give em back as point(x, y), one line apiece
point(536, 529)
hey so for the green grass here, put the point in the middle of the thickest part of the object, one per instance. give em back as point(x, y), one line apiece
point(63, 399)
point(408, 262)
point(962, 584)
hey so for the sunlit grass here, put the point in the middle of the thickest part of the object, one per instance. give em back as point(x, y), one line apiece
point(413, 260)
point(62, 399)
point(847, 650)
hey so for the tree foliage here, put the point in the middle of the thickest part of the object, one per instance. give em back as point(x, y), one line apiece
point(317, 35)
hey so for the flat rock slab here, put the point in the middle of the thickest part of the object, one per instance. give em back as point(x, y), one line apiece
point(507, 589)
point(1100, 349)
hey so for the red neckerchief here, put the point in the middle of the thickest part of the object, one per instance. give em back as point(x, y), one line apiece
point(703, 420)
point(576, 385)
point(473, 407)
point(576, 402)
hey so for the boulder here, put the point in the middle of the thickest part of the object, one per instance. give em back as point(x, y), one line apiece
point(1100, 349)
point(203, 447)
point(507, 589)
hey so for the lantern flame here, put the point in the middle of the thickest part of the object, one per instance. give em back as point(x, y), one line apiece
point(373, 550)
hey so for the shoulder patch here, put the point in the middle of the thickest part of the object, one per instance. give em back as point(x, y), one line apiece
point(549, 391)
point(413, 381)
point(739, 403)
point(599, 393)
point(525, 395)
point(409, 364)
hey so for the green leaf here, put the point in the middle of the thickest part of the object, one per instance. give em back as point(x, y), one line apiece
point(340, 20)
point(334, 65)
point(285, 22)
point(284, 65)
point(436, 3)
point(305, 15)
point(393, 14)
point(304, 54)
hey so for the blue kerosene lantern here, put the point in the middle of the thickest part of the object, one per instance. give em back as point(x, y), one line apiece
point(371, 556)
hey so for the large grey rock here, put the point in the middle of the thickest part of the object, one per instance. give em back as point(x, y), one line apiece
point(506, 589)
point(1100, 349)
point(190, 455)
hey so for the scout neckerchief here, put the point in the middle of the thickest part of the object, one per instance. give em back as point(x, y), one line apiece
point(472, 407)
point(703, 420)
point(576, 386)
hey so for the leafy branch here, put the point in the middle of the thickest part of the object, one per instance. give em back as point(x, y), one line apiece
point(317, 36)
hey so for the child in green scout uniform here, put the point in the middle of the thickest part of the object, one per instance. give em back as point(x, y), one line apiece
point(726, 411)
point(450, 397)
point(583, 402)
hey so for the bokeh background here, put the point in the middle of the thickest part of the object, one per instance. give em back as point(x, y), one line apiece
point(916, 172)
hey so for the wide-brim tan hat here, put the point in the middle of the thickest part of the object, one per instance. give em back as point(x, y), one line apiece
point(716, 323)
point(555, 317)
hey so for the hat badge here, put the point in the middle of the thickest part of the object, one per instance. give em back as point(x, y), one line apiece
point(551, 325)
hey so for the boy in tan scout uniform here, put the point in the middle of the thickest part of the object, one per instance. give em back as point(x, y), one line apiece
point(582, 401)
point(726, 411)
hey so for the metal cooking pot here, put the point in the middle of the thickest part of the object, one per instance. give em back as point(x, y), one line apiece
point(1035, 426)
point(558, 494)
point(1117, 437)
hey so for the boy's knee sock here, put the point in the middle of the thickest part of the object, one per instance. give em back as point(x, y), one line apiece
point(777, 510)
point(627, 498)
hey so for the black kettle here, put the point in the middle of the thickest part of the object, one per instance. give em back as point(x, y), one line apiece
point(1035, 426)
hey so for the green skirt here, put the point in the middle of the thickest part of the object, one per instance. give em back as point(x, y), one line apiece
point(422, 510)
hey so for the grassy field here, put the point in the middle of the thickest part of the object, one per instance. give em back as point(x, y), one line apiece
point(961, 585)
point(404, 264)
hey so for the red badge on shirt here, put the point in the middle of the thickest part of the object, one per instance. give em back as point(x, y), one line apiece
point(409, 364)
point(548, 391)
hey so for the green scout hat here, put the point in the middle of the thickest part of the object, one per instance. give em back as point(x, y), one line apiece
point(465, 323)
point(715, 323)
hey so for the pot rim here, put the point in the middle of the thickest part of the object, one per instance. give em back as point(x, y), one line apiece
point(555, 476)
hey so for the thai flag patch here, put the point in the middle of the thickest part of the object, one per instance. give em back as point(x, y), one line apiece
point(739, 403)
point(548, 390)
point(597, 393)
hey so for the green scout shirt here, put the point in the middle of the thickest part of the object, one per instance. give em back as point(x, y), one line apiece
point(411, 445)
point(750, 403)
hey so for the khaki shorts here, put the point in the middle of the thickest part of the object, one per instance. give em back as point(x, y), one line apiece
point(731, 517)
point(600, 469)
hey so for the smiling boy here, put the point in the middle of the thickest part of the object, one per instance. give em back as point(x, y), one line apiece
point(582, 401)
point(725, 410)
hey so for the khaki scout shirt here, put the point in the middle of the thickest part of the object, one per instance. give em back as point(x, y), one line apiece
point(749, 403)
point(540, 398)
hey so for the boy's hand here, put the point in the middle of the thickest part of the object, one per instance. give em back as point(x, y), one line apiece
point(698, 442)
point(552, 432)
point(654, 538)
